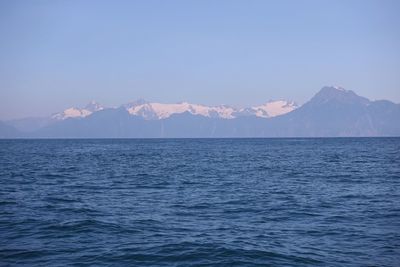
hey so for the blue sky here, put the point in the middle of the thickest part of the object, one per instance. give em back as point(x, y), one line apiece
point(57, 54)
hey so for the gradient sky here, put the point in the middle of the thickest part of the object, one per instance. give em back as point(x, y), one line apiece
point(57, 54)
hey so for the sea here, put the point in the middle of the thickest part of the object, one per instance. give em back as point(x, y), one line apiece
point(200, 202)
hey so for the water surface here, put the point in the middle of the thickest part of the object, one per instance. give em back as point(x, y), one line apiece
point(184, 202)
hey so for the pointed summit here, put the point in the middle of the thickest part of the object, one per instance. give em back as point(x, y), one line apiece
point(337, 94)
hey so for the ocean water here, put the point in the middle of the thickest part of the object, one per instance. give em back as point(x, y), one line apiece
point(200, 202)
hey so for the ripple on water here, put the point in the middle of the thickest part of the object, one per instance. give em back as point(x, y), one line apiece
point(189, 202)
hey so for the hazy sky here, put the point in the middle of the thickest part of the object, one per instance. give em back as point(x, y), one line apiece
point(57, 54)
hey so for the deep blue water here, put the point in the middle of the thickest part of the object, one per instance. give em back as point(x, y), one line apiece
point(217, 202)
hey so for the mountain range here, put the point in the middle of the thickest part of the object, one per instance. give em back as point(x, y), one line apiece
point(332, 112)
point(157, 111)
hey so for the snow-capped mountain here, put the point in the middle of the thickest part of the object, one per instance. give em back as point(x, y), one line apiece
point(152, 111)
point(78, 112)
point(162, 111)
point(158, 111)
point(333, 111)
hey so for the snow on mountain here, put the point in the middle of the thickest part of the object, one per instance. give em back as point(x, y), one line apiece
point(78, 112)
point(162, 111)
point(150, 111)
point(331, 112)
point(274, 108)
point(93, 106)
point(157, 111)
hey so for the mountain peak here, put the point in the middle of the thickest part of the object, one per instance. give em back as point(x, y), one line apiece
point(333, 89)
point(73, 112)
point(339, 94)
